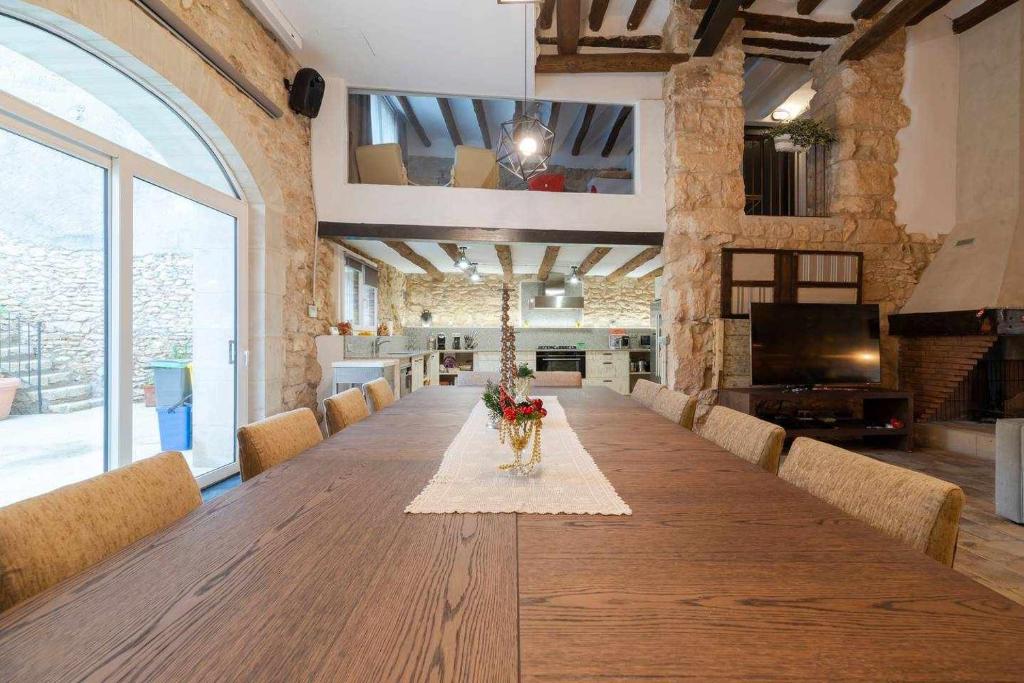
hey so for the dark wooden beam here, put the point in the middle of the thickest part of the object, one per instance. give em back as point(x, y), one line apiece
point(618, 62)
point(613, 135)
point(568, 28)
point(552, 124)
point(868, 8)
point(407, 252)
point(633, 263)
point(449, 120)
point(596, 16)
point(927, 12)
point(451, 249)
point(790, 45)
point(581, 136)
point(481, 121)
point(460, 234)
point(592, 259)
point(807, 6)
point(970, 19)
point(636, 16)
point(785, 59)
point(722, 13)
point(548, 262)
point(547, 14)
point(414, 120)
point(652, 42)
point(794, 26)
point(892, 21)
point(504, 252)
point(699, 4)
point(705, 19)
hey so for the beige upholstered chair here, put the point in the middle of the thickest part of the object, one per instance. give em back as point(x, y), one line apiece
point(676, 406)
point(646, 391)
point(380, 393)
point(745, 436)
point(345, 409)
point(46, 539)
point(381, 165)
point(475, 379)
point(557, 378)
point(920, 511)
point(269, 442)
point(474, 167)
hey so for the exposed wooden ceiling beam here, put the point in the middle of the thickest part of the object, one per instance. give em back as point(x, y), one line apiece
point(613, 134)
point(636, 16)
point(648, 277)
point(581, 136)
point(927, 12)
point(592, 259)
point(705, 19)
point(970, 19)
point(794, 26)
point(461, 235)
point(699, 4)
point(504, 252)
point(568, 28)
point(785, 59)
point(414, 120)
point(807, 6)
point(449, 120)
point(618, 62)
point(596, 16)
point(407, 252)
point(556, 109)
point(892, 21)
point(481, 121)
point(451, 249)
point(868, 8)
point(651, 42)
point(547, 14)
point(722, 13)
point(790, 45)
point(633, 263)
point(547, 263)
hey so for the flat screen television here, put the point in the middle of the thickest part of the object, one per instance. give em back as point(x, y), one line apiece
point(814, 344)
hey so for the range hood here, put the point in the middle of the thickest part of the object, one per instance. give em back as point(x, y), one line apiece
point(556, 294)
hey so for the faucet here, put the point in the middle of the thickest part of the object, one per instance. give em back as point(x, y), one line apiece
point(377, 343)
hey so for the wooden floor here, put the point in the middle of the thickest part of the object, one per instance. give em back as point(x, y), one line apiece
point(991, 549)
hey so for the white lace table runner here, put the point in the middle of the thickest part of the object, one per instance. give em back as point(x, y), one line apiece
point(566, 481)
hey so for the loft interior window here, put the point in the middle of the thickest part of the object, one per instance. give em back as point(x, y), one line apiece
point(359, 294)
point(384, 128)
point(67, 81)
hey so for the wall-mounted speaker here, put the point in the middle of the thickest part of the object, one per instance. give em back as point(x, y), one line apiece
point(306, 92)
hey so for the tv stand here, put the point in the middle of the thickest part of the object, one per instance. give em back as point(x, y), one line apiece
point(876, 408)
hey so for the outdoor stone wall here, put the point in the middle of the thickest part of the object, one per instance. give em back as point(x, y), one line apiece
point(457, 302)
point(704, 129)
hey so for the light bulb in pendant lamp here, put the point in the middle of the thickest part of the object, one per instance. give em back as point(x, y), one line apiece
point(474, 275)
point(462, 263)
point(528, 145)
point(574, 279)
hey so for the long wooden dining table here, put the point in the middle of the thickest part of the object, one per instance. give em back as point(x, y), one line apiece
point(312, 571)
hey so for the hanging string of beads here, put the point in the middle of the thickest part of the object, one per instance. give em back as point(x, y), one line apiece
point(508, 343)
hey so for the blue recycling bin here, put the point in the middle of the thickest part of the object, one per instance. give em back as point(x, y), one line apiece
point(175, 427)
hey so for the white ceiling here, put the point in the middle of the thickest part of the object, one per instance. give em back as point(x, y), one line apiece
point(526, 258)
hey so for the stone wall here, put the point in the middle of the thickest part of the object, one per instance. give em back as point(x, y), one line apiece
point(457, 302)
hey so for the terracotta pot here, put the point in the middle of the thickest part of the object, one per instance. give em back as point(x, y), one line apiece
point(149, 395)
point(8, 387)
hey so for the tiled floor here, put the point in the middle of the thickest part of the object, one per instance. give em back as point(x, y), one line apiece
point(991, 549)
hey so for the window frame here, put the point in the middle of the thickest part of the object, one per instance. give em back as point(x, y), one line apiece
point(341, 255)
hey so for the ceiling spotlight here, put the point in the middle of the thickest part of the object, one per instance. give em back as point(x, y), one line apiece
point(781, 115)
point(462, 263)
point(474, 275)
point(574, 279)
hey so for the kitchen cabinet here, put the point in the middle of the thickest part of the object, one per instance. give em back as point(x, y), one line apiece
point(608, 369)
point(433, 369)
point(490, 361)
point(417, 373)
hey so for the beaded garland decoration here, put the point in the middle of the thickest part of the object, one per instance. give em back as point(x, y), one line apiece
point(508, 343)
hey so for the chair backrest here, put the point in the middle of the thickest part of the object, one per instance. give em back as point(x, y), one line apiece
point(46, 539)
point(380, 393)
point(474, 167)
point(676, 406)
point(345, 409)
point(646, 391)
point(557, 378)
point(475, 379)
point(269, 442)
point(745, 436)
point(920, 511)
point(381, 165)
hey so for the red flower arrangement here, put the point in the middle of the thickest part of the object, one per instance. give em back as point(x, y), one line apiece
point(523, 411)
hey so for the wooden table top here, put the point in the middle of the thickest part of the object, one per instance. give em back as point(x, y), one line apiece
point(313, 571)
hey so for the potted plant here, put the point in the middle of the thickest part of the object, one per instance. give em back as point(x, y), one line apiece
point(8, 388)
point(492, 401)
point(523, 378)
point(799, 135)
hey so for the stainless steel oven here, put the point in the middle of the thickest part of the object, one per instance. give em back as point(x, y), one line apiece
point(561, 359)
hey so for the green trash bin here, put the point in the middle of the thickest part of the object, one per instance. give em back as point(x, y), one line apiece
point(173, 382)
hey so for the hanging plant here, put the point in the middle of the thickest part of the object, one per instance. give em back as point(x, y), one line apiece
point(801, 134)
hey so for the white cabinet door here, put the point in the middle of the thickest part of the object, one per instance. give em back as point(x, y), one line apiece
point(417, 373)
point(487, 361)
point(434, 369)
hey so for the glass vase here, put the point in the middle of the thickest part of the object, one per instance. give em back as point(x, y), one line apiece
point(518, 436)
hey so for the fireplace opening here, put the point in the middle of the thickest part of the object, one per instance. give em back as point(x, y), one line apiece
point(992, 389)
